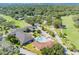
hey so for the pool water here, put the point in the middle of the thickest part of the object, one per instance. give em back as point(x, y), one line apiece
point(41, 39)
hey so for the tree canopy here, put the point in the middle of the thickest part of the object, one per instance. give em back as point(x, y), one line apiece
point(57, 49)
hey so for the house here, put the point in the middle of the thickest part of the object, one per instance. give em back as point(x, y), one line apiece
point(22, 36)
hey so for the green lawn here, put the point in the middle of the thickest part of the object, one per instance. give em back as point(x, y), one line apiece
point(71, 31)
point(31, 48)
point(20, 23)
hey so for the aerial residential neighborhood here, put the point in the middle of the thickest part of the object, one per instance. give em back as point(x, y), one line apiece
point(39, 29)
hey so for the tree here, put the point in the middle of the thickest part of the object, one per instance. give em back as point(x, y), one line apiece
point(51, 33)
point(2, 19)
point(30, 20)
point(76, 21)
point(36, 33)
point(57, 49)
point(13, 39)
point(76, 24)
point(57, 23)
point(49, 20)
point(6, 48)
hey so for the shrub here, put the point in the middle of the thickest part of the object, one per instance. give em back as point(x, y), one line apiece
point(57, 49)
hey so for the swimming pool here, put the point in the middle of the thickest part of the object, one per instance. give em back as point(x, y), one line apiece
point(41, 39)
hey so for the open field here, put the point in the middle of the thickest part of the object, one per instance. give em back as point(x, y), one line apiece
point(71, 31)
point(20, 23)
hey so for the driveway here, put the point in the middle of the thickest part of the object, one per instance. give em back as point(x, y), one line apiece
point(26, 52)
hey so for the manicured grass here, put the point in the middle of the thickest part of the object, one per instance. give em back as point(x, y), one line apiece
point(20, 23)
point(31, 48)
point(71, 30)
